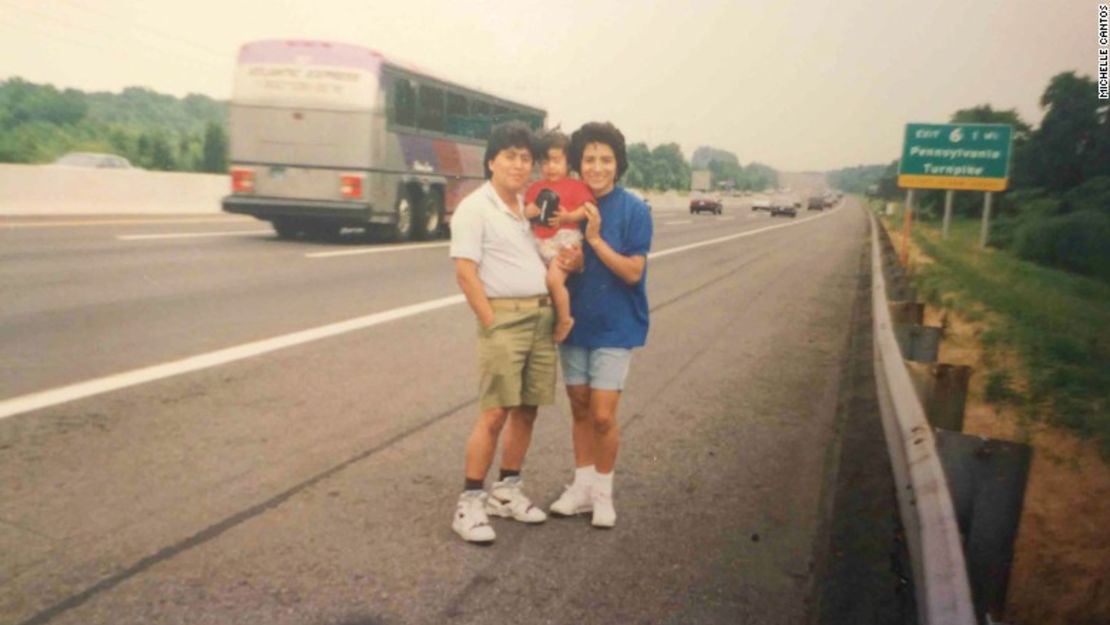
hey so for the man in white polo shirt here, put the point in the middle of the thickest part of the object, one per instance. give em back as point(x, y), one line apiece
point(500, 271)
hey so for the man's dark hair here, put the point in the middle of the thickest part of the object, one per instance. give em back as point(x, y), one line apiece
point(598, 132)
point(505, 136)
point(552, 139)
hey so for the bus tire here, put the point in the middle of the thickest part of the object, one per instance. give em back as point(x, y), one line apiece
point(428, 218)
point(286, 228)
point(402, 230)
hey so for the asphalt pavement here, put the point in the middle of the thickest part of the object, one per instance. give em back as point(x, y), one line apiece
point(225, 427)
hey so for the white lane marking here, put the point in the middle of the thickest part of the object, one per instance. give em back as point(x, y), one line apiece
point(746, 233)
point(675, 223)
point(81, 390)
point(725, 218)
point(376, 250)
point(120, 222)
point(189, 235)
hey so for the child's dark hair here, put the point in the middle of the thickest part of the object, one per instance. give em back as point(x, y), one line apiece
point(505, 136)
point(598, 132)
point(552, 139)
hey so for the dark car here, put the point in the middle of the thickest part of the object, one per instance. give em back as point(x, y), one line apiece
point(815, 202)
point(784, 209)
point(710, 202)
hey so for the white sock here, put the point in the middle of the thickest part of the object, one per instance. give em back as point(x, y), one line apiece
point(604, 482)
point(584, 476)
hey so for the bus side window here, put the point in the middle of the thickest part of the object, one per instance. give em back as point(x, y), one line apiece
point(458, 116)
point(479, 111)
point(404, 102)
point(431, 108)
point(501, 114)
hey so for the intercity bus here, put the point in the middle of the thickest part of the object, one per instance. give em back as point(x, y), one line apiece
point(328, 135)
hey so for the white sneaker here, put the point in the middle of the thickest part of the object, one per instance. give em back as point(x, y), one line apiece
point(507, 500)
point(471, 521)
point(574, 500)
point(605, 515)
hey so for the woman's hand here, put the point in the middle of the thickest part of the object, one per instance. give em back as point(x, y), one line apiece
point(593, 223)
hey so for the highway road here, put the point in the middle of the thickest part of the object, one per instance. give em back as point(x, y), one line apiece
point(200, 423)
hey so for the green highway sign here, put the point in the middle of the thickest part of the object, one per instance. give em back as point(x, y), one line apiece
point(964, 157)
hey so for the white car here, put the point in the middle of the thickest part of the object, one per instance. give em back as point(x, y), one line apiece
point(93, 159)
point(761, 203)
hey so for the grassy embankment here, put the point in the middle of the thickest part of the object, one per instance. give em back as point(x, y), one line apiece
point(1057, 324)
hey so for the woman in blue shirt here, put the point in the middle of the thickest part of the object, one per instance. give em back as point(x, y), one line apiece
point(610, 309)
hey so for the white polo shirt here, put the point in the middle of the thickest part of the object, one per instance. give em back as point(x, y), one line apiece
point(486, 231)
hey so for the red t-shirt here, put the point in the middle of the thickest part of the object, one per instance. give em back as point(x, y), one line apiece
point(572, 194)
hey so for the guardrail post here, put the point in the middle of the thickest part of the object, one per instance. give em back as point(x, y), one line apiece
point(987, 480)
point(902, 311)
point(918, 343)
point(942, 389)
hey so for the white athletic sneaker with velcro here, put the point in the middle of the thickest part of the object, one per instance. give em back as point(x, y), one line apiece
point(507, 500)
point(574, 500)
point(605, 515)
point(471, 521)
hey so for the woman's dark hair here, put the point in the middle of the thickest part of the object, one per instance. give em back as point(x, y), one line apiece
point(505, 136)
point(551, 139)
point(598, 132)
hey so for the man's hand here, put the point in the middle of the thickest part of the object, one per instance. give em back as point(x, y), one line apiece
point(531, 211)
point(593, 223)
point(570, 259)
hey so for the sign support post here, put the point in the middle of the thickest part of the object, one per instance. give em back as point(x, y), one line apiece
point(947, 212)
point(984, 232)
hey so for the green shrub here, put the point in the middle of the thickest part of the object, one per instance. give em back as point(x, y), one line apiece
point(1078, 242)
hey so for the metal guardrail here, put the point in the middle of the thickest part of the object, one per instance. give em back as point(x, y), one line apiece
point(940, 572)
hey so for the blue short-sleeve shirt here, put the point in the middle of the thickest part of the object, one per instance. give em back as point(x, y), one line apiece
point(607, 311)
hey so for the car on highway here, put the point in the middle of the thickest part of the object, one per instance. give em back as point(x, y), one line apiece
point(815, 202)
point(785, 208)
point(93, 159)
point(710, 202)
point(761, 203)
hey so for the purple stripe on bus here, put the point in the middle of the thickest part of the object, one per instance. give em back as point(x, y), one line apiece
point(418, 152)
point(311, 53)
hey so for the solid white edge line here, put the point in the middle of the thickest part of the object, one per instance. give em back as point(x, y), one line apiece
point(376, 250)
point(81, 390)
point(675, 223)
point(189, 235)
point(118, 222)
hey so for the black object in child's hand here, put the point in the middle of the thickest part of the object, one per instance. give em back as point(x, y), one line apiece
point(548, 202)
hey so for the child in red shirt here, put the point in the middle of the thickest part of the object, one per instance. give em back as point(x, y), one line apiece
point(563, 230)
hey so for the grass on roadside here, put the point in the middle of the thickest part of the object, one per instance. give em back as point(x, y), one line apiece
point(1057, 323)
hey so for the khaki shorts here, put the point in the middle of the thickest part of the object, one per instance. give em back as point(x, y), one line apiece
point(517, 359)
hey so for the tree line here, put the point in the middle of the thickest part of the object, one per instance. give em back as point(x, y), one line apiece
point(1056, 210)
point(39, 123)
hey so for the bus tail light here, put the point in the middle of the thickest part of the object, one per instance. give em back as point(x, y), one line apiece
point(350, 186)
point(242, 181)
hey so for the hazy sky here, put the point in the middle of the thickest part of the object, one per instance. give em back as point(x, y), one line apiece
point(816, 84)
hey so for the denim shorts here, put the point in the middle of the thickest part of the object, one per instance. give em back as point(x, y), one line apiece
point(604, 368)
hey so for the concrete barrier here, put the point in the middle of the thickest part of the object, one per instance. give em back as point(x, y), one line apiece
point(57, 190)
